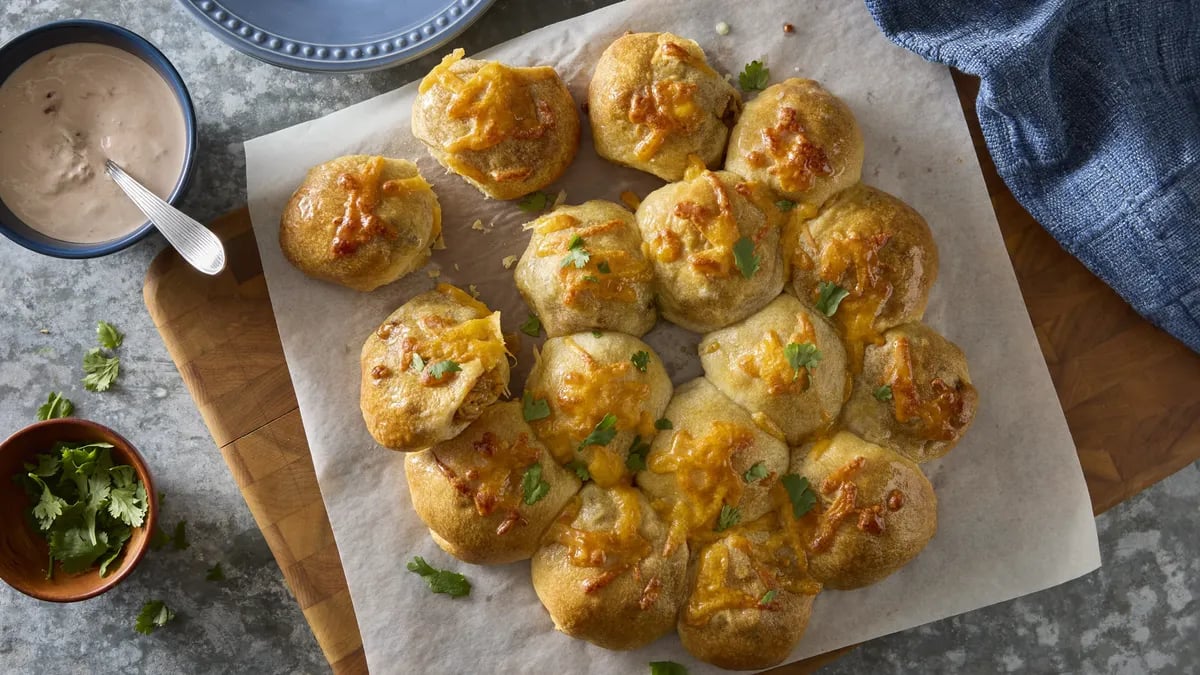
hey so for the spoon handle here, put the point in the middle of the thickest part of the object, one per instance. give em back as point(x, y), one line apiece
point(196, 243)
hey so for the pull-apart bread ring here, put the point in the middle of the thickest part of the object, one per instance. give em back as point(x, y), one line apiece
point(488, 494)
point(431, 368)
point(360, 221)
point(584, 269)
point(654, 101)
point(508, 131)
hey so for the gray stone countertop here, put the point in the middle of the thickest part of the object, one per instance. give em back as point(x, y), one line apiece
point(1136, 615)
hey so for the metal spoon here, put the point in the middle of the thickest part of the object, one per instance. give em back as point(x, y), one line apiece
point(195, 242)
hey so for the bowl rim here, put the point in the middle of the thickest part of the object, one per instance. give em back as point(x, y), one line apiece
point(134, 555)
point(145, 50)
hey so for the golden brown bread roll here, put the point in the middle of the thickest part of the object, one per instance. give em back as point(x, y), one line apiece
point(875, 510)
point(914, 394)
point(584, 269)
point(786, 362)
point(431, 368)
point(713, 467)
point(600, 400)
point(489, 493)
point(601, 572)
point(360, 221)
point(800, 140)
point(749, 597)
point(714, 250)
point(507, 131)
point(877, 249)
point(654, 100)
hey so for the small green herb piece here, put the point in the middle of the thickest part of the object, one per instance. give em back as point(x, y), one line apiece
point(641, 359)
point(533, 202)
point(577, 255)
point(785, 205)
point(56, 406)
point(533, 485)
point(829, 296)
point(159, 539)
point(800, 493)
point(580, 468)
point(108, 335)
point(100, 371)
point(663, 424)
point(604, 432)
point(756, 472)
point(445, 582)
point(883, 393)
point(603, 267)
point(799, 356)
point(667, 668)
point(154, 615)
point(744, 257)
point(591, 279)
point(215, 573)
point(768, 598)
point(534, 409)
point(532, 326)
point(754, 76)
point(443, 368)
point(636, 461)
point(179, 540)
point(417, 364)
point(729, 516)
point(596, 334)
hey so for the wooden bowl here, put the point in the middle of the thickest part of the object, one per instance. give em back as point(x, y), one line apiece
point(24, 553)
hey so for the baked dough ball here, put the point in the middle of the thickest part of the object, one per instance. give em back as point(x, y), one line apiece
point(914, 394)
point(876, 248)
point(475, 490)
point(584, 269)
point(799, 388)
point(600, 400)
point(431, 368)
point(800, 140)
point(602, 574)
point(875, 510)
point(749, 598)
point(654, 100)
point(714, 250)
point(713, 459)
point(360, 221)
point(507, 131)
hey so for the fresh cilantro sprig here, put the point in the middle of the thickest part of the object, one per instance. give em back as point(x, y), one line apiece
point(767, 598)
point(533, 202)
point(799, 493)
point(829, 296)
point(663, 424)
point(603, 267)
point(754, 76)
point(441, 369)
point(603, 433)
point(883, 394)
point(641, 359)
point(667, 668)
point(534, 409)
point(785, 205)
point(802, 355)
point(154, 615)
point(534, 485)
point(755, 473)
point(729, 516)
point(580, 468)
point(108, 336)
point(100, 371)
point(179, 540)
point(215, 573)
point(532, 326)
point(577, 255)
point(445, 582)
point(636, 461)
point(744, 257)
point(56, 406)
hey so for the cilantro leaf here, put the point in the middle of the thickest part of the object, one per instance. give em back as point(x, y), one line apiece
point(577, 255)
point(56, 406)
point(159, 539)
point(533, 202)
point(49, 507)
point(47, 465)
point(591, 279)
point(641, 359)
point(532, 326)
point(754, 76)
point(100, 371)
point(799, 356)
point(667, 668)
point(116, 544)
point(663, 423)
point(440, 581)
point(603, 267)
point(829, 296)
point(75, 548)
point(533, 485)
point(884, 393)
point(417, 364)
point(604, 432)
point(800, 493)
point(215, 573)
point(729, 516)
point(636, 461)
point(596, 333)
point(744, 257)
point(785, 205)
point(108, 335)
point(534, 409)
point(442, 368)
point(756, 472)
point(179, 540)
point(154, 615)
point(767, 598)
point(580, 468)
point(125, 505)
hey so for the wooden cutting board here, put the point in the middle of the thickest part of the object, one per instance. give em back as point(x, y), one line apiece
point(1127, 388)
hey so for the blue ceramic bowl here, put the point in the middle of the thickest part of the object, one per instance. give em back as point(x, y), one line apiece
point(38, 40)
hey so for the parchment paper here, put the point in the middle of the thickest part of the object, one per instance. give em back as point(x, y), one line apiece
point(1014, 511)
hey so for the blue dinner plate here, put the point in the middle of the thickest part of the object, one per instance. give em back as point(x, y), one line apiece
point(336, 35)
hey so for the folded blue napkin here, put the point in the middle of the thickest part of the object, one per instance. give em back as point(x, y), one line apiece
point(1091, 110)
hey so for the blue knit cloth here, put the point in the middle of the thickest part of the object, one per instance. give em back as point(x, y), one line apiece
point(1091, 110)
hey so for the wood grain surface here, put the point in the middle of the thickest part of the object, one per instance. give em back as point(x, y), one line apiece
point(1127, 388)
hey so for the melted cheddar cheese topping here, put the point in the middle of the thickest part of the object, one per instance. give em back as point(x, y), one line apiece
point(490, 476)
point(625, 269)
point(938, 417)
point(821, 525)
point(705, 231)
point(360, 222)
point(614, 551)
point(789, 154)
point(497, 99)
point(768, 362)
point(666, 106)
